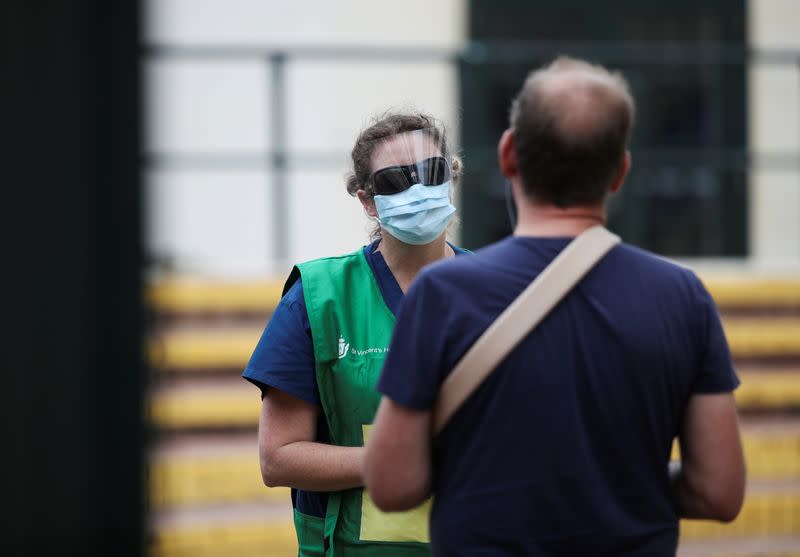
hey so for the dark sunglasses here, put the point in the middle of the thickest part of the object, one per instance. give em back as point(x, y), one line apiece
point(393, 179)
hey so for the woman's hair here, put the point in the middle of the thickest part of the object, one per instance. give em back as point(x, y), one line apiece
point(385, 126)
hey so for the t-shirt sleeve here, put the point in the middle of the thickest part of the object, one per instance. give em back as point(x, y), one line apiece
point(412, 373)
point(284, 356)
point(716, 373)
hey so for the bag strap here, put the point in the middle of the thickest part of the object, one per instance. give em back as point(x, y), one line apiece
point(520, 318)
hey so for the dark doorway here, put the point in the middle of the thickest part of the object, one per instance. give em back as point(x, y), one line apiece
point(687, 192)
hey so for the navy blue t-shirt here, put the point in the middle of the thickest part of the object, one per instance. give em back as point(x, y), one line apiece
point(284, 356)
point(563, 450)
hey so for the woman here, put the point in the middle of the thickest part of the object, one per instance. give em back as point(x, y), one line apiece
point(320, 356)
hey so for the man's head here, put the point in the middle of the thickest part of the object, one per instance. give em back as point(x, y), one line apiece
point(570, 126)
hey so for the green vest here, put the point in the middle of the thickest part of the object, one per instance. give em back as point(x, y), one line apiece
point(351, 327)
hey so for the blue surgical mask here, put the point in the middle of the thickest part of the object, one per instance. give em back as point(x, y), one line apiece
point(417, 215)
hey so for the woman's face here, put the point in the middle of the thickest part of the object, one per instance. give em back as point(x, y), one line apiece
point(399, 150)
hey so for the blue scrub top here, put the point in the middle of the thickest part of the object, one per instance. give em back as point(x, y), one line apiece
point(284, 356)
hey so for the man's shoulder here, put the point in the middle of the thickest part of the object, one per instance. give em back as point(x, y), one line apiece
point(638, 272)
point(506, 249)
point(491, 264)
point(635, 259)
point(468, 267)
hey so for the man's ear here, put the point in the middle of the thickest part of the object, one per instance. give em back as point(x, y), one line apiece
point(624, 168)
point(368, 203)
point(506, 155)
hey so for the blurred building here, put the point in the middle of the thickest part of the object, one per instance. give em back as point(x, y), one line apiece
point(253, 109)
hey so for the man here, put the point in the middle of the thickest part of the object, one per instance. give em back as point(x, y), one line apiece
point(564, 449)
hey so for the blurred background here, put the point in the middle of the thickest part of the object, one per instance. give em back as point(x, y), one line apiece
point(178, 156)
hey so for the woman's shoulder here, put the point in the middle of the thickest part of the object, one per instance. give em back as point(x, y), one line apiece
point(331, 259)
point(330, 266)
point(333, 276)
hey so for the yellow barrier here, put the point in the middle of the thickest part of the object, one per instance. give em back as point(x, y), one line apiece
point(763, 337)
point(240, 407)
point(198, 296)
point(768, 390)
point(197, 349)
point(753, 292)
point(189, 296)
point(186, 480)
point(775, 513)
point(206, 408)
point(769, 455)
point(772, 457)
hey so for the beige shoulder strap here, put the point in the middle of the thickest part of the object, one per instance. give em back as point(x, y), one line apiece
point(520, 318)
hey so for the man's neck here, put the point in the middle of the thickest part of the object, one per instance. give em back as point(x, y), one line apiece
point(406, 260)
point(551, 221)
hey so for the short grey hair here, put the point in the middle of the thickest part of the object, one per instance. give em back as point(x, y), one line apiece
point(571, 122)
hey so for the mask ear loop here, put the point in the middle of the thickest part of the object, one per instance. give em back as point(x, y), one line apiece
point(376, 221)
point(512, 218)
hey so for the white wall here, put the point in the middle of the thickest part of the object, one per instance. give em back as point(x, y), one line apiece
point(217, 219)
point(774, 112)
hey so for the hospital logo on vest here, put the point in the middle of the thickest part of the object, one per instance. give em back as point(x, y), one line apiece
point(344, 346)
point(344, 349)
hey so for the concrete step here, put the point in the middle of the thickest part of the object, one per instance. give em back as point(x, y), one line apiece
point(243, 530)
point(778, 546)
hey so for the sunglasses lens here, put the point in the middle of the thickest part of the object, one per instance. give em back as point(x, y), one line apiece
point(435, 171)
point(389, 181)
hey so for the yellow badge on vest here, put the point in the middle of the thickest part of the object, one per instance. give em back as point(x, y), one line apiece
point(406, 526)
